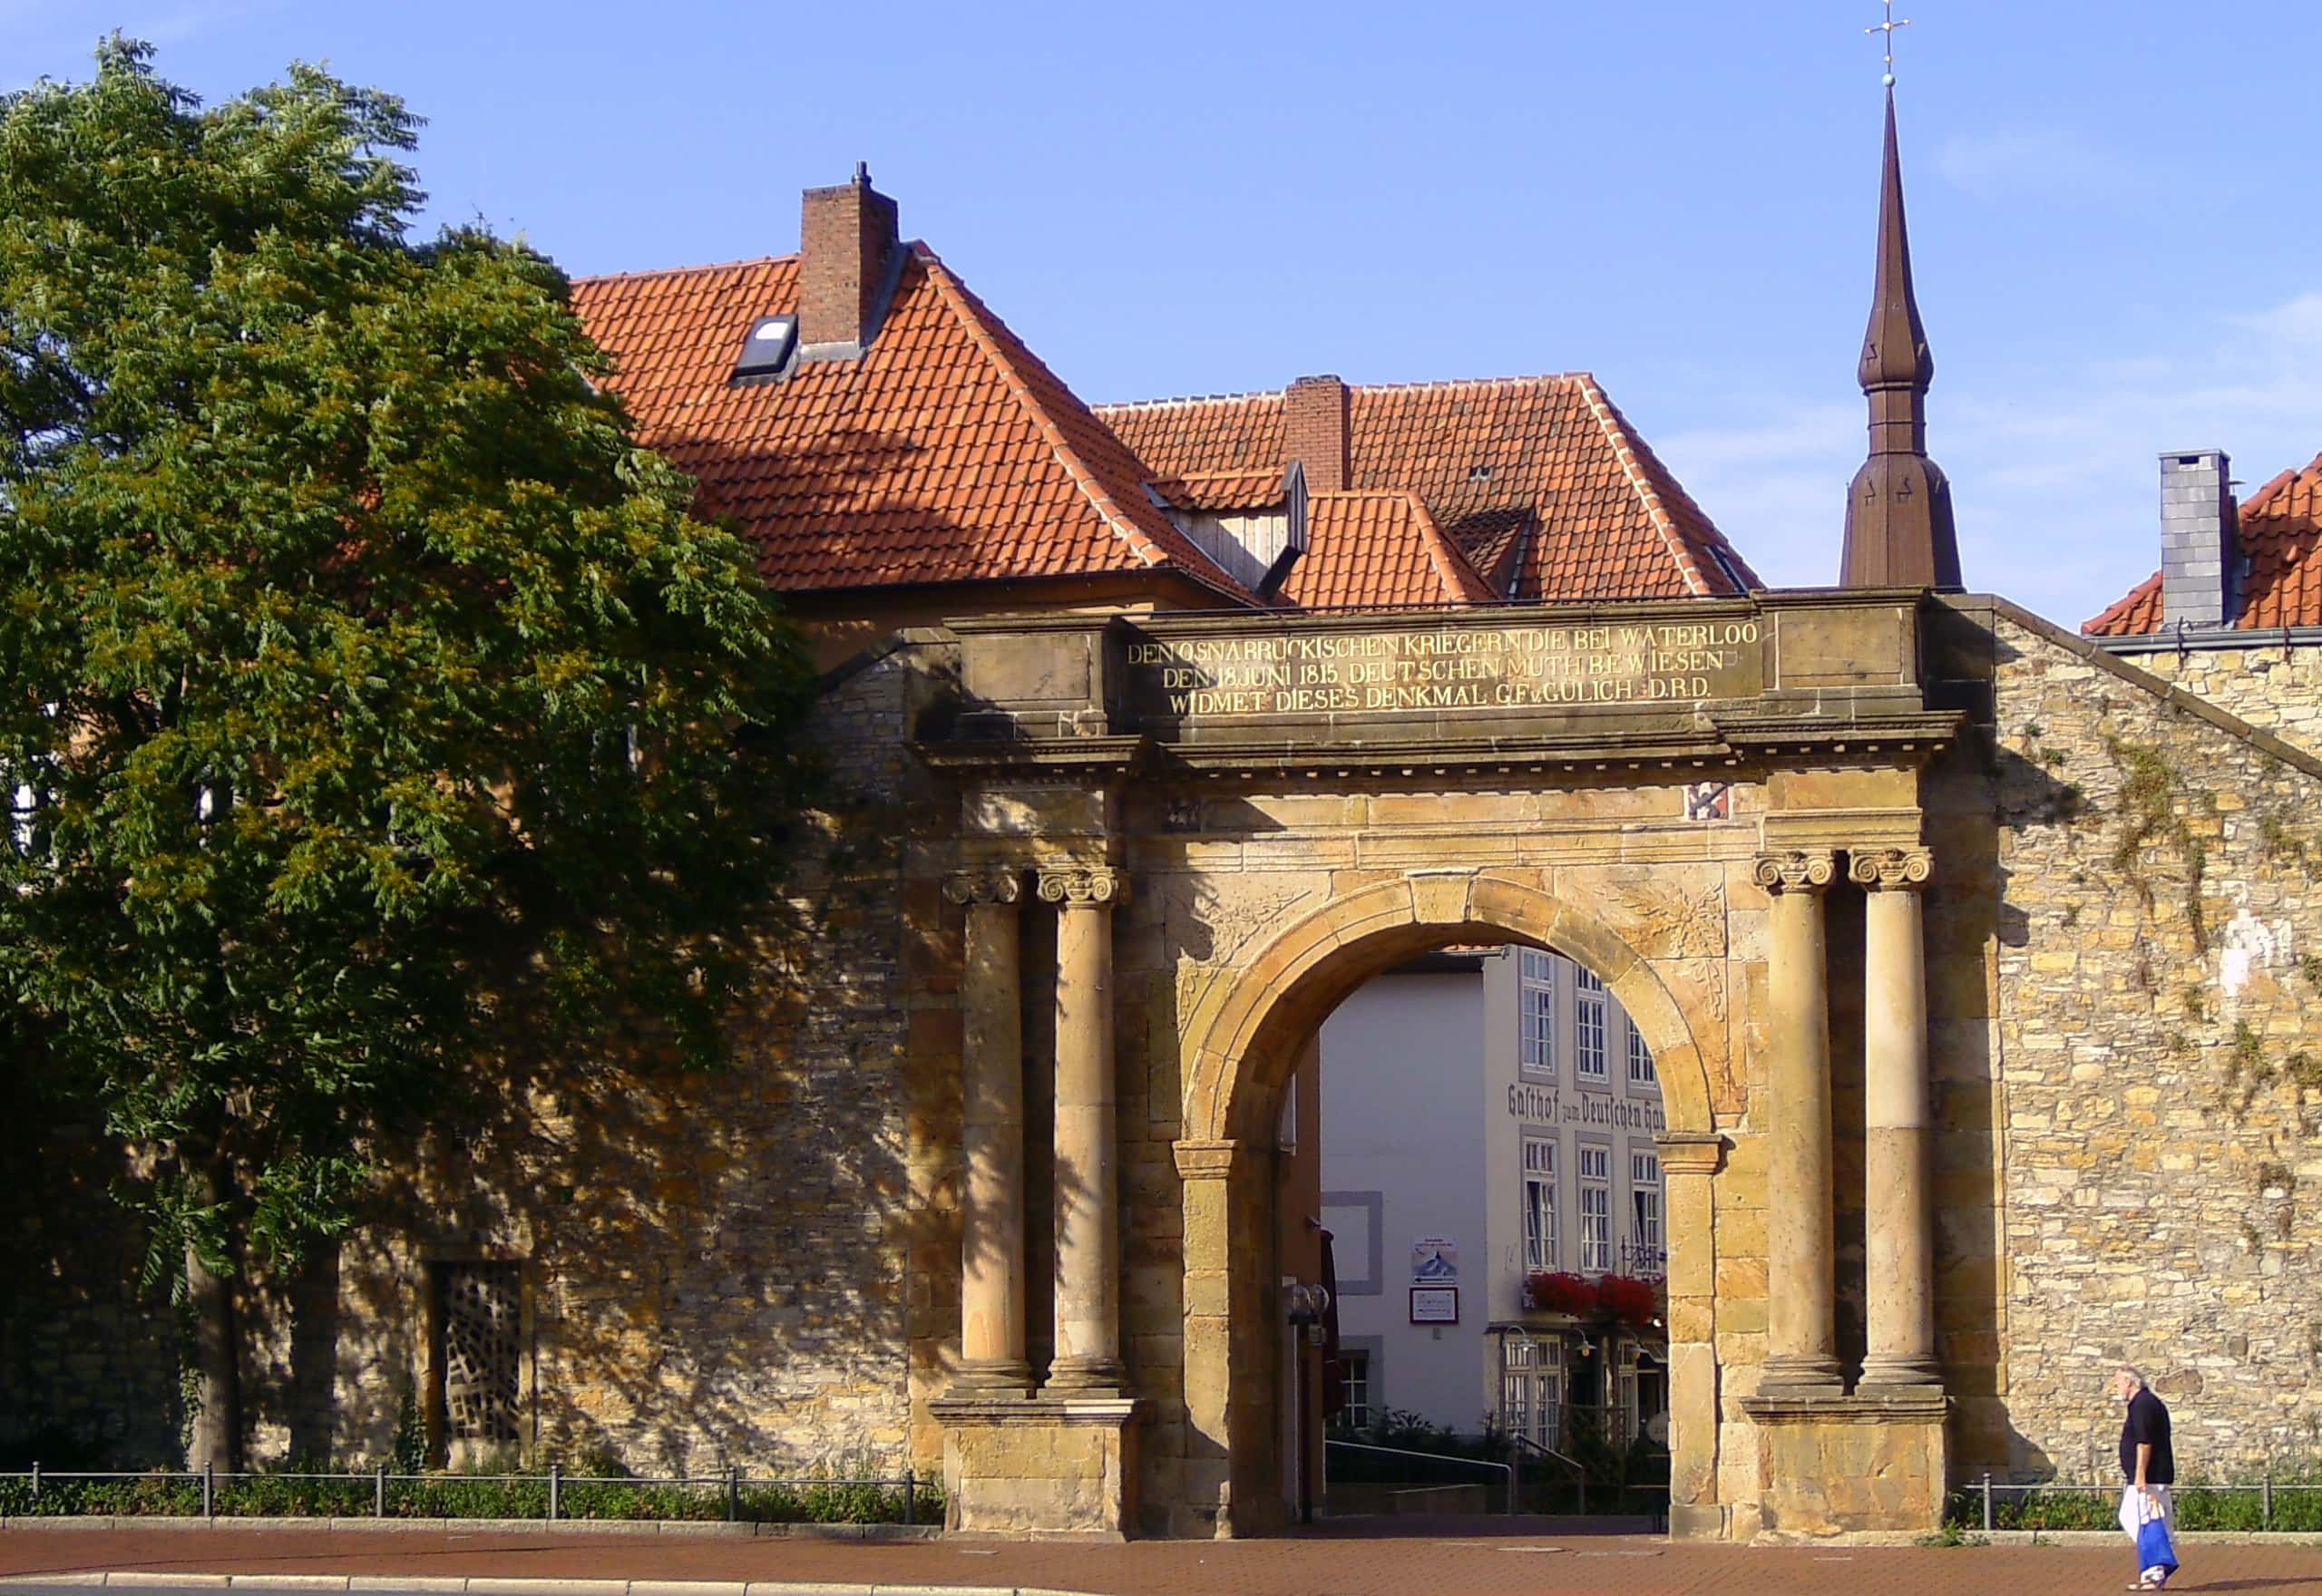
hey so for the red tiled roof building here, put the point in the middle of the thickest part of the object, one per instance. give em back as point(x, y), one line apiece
point(2235, 612)
point(908, 453)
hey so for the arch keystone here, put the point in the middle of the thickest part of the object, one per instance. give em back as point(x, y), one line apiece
point(1439, 897)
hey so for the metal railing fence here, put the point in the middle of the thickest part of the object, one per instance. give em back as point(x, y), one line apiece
point(1506, 1471)
point(2266, 1504)
point(733, 1494)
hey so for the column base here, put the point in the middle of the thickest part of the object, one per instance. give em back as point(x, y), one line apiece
point(991, 1378)
point(1047, 1467)
point(1093, 1377)
point(1838, 1465)
point(1900, 1373)
point(1802, 1374)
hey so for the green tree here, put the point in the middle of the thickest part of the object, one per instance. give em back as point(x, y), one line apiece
point(369, 700)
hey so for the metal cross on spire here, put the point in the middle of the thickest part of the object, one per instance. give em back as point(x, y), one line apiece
point(1887, 28)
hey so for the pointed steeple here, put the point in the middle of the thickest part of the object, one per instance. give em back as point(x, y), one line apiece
point(1899, 531)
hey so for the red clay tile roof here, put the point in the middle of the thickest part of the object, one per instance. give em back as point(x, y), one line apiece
point(1225, 490)
point(2280, 534)
point(1377, 549)
point(948, 452)
point(1608, 520)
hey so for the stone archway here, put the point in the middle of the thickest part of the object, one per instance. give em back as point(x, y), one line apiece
point(1266, 812)
point(1240, 1047)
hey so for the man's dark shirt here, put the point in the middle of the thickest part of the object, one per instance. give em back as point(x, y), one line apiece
point(2147, 1422)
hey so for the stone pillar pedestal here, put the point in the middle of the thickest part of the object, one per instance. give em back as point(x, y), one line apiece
point(1899, 1213)
point(1040, 1467)
point(1088, 1179)
point(1834, 1466)
point(1801, 1343)
point(991, 1242)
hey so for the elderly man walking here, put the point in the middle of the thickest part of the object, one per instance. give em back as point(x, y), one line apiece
point(2148, 1510)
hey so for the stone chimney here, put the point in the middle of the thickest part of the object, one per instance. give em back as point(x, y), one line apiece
point(2196, 543)
point(849, 258)
point(1314, 427)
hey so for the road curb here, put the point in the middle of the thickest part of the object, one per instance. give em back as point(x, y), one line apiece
point(494, 1585)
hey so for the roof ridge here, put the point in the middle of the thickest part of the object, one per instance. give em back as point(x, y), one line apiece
point(1431, 385)
point(1617, 431)
point(2117, 611)
point(1115, 515)
point(2278, 484)
point(680, 271)
point(1453, 569)
point(1189, 399)
point(1439, 383)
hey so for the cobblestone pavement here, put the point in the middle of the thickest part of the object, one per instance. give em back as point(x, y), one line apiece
point(1467, 1559)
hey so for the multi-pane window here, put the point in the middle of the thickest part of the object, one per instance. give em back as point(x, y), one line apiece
point(1539, 1202)
point(1640, 1061)
point(1644, 1201)
point(1587, 1026)
point(1535, 996)
point(1357, 1365)
point(1531, 1389)
point(1595, 1208)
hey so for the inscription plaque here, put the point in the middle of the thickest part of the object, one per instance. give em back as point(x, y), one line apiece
point(1488, 670)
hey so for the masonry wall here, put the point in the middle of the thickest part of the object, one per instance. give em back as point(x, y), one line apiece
point(2275, 688)
point(2158, 1021)
point(73, 1390)
point(717, 1268)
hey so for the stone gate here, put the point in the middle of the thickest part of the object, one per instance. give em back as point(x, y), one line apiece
point(1240, 819)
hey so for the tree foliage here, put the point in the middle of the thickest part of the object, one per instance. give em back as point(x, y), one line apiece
point(369, 698)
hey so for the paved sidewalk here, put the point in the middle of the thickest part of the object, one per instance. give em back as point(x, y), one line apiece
point(1465, 1559)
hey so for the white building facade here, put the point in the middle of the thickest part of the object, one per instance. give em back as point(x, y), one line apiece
point(1489, 1119)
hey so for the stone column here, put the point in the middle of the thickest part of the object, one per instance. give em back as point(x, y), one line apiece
point(1898, 1217)
point(1088, 1179)
point(1801, 1351)
point(991, 1229)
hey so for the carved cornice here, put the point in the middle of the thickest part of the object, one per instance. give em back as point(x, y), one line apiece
point(1084, 886)
point(1798, 870)
point(1690, 1152)
point(1889, 869)
point(984, 886)
point(1214, 1161)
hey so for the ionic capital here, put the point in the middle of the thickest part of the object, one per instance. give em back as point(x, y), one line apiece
point(1889, 869)
point(1798, 870)
point(984, 886)
point(1084, 886)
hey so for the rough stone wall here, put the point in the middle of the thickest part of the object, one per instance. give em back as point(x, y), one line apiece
point(717, 1268)
point(74, 1388)
point(2275, 688)
point(2159, 1019)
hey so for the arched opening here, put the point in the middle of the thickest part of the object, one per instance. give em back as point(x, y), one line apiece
point(1244, 1046)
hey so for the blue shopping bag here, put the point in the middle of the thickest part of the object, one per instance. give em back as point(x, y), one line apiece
point(2154, 1550)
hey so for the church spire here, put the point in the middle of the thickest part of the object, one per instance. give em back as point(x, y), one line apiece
point(1899, 532)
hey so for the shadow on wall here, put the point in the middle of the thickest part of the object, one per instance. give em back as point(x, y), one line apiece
point(719, 1268)
point(88, 1374)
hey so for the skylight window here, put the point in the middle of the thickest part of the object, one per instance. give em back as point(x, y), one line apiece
point(767, 349)
point(1479, 474)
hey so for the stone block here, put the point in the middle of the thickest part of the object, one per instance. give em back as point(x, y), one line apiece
point(1843, 1466)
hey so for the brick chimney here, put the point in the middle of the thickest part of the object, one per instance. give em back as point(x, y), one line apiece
point(849, 258)
point(1314, 432)
point(2196, 543)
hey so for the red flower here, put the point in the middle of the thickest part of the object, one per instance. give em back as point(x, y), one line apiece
point(1607, 1299)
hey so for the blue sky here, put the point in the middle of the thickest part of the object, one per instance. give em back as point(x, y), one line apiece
point(2112, 207)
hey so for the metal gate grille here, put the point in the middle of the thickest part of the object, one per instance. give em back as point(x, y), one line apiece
point(478, 1314)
